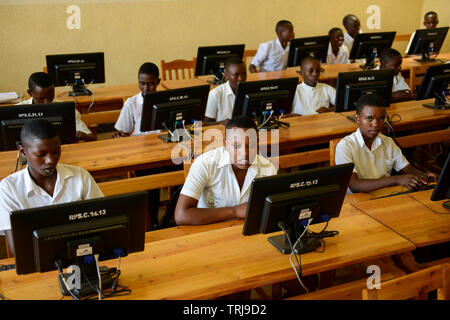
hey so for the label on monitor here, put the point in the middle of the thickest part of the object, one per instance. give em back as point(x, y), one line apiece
point(304, 214)
point(84, 250)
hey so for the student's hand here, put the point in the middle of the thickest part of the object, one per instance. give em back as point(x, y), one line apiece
point(431, 177)
point(119, 134)
point(252, 69)
point(410, 181)
point(81, 136)
point(240, 210)
point(323, 110)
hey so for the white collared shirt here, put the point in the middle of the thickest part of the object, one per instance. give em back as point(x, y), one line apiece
point(79, 124)
point(220, 102)
point(398, 83)
point(18, 191)
point(342, 56)
point(376, 163)
point(130, 116)
point(348, 41)
point(212, 182)
point(308, 99)
point(271, 56)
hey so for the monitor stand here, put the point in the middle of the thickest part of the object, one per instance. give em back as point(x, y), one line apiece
point(439, 104)
point(446, 204)
point(308, 244)
point(370, 64)
point(176, 136)
point(79, 90)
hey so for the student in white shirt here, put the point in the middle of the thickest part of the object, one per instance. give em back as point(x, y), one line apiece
point(352, 27)
point(42, 90)
point(43, 182)
point(337, 52)
point(311, 96)
point(374, 154)
point(129, 121)
point(430, 21)
point(218, 184)
point(272, 55)
point(392, 59)
point(221, 99)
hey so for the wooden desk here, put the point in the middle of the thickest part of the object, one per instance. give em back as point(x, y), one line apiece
point(214, 263)
point(413, 220)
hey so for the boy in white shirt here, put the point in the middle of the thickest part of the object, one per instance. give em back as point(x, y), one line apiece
point(272, 55)
point(430, 21)
point(43, 182)
point(218, 184)
point(352, 27)
point(374, 154)
point(311, 96)
point(221, 99)
point(129, 121)
point(392, 59)
point(42, 90)
point(337, 52)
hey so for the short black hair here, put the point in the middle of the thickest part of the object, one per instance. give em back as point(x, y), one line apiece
point(389, 54)
point(240, 121)
point(150, 69)
point(348, 18)
point(369, 99)
point(233, 60)
point(36, 129)
point(282, 24)
point(39, 79)
point(430, 13)
point(308, 58)
point(333, 30)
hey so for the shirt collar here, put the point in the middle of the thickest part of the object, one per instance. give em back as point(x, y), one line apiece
point(32, 188)
point(375, 144)
point(278, 43)
point(307, 86)
point(228, 90)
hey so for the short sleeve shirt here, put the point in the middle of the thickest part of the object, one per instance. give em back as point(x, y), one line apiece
point(271, 56)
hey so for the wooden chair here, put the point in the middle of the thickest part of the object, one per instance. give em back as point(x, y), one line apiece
point(248, 53)
point(416, 76)
point(186, 168)
point(333, 144)
point(176, 66)
point(44, 69)
point(402, 37)
point(4, 242)
point(92, 120)
point(414, 285)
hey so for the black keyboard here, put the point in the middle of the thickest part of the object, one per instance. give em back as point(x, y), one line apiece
point(5, 267)
point(427, 187)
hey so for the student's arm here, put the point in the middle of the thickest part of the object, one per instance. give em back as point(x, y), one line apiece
point(409, 169)
point(187, 213)
point(259, 58)
point(120, 134)
point(82, 131)
point(9, 240)
point(367, 185)
point(402, 95)
point(81, 136)
point(125, 123)
point(252, 68)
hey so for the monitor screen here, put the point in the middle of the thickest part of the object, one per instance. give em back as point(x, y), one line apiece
point(76, 70)
point(427, 42)
point(351, 85)
point(174, 109)
point(288, 198)
point(211, 60)
point(73, 230)
point(436, 84)
point(265, 99)
point(13, 118)
point(442, 189)
point(369, 46)
point(312, 46)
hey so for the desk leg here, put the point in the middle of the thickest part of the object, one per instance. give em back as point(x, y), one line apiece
point(406, 262)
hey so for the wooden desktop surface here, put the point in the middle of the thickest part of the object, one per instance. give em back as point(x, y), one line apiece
point(219, 262)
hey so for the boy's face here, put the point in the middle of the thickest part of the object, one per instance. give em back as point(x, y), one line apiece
point(431, 21)
point(148, 83)
point(42, 156)
point(242, 146)
point(337, 39)
point(310, 71)
point(42, 95)
point(286, 33)
point(371, 121)
point(353, 27)
point(235, 74)
point(393, 63)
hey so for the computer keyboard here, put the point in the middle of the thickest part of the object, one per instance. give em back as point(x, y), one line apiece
point(427, 187)
point(5, 267)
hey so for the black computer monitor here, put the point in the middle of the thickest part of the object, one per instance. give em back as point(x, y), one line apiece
point(265, 100)
point(76, 70)
point(291, 199)
point(351, 85)
point(436, 84)
point(427, 42)
point(442, 189)
point(173, 110)
point(54, 237)
point(369, 45)
point(13, 118)
point(311, 46)
point(212, 59)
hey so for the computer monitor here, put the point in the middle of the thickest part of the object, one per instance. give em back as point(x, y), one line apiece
point(351, 85)
point(265, 100)
point(212, 59)
point(173, 110)
point(311, 46)
point(442, 189)
point(13, 118)
point(57, 236)
point(427, 42)
point(291, 199)
point(369, 45)
point(436, 84)
point(76, 70)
